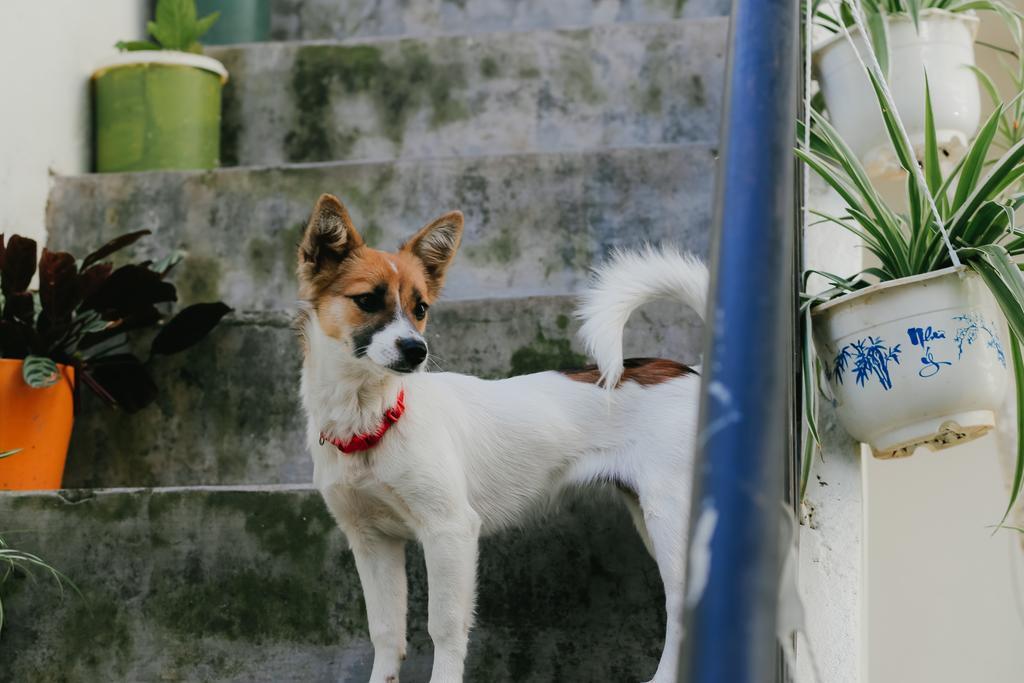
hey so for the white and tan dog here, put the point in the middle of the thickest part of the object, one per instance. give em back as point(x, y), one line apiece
point(443, 458)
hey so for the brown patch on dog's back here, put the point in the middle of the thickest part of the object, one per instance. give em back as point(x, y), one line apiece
point(643, 371)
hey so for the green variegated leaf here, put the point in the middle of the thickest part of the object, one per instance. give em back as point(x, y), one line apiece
point(1004, 280)
point(975, 158)
point(914, 9)
point(879, 34)
point(932, 170)
point(39, 372)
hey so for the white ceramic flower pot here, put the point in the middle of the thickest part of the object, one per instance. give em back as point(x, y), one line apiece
point(943, 47)
point(920, 361)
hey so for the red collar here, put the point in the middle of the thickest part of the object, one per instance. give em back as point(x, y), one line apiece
point(367, 440)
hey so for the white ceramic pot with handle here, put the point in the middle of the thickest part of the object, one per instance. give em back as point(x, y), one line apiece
point(944, 48)
point(920, 361)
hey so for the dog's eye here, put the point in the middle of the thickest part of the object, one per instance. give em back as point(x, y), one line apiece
point(370, 303)
point(420, 311)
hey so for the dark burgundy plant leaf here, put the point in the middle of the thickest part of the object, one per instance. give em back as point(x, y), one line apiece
point(128, 289)
point(114, 245)
point(19, 264)
point(124, 379)
point(19, 306)
point(188, 327)
point(58, 285)
point(90, 280)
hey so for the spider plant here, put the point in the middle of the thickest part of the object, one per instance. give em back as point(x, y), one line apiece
point(876, 13)
point(12, 560)
point(968, 211)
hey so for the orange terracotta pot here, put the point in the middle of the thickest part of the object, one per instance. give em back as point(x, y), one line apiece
point(38, 421)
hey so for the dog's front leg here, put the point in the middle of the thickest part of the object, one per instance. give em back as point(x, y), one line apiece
point(380, 561)
point(450, 551)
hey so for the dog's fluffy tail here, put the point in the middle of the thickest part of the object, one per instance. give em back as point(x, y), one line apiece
point(623, 284)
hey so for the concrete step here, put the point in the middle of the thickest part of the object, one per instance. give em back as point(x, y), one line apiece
point(534, 223)
point(619, 85)
point(256, 584)
point(331, 19)
point(229, 410)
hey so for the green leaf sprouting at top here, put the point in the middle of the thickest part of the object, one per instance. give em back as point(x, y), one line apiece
point(175, 28)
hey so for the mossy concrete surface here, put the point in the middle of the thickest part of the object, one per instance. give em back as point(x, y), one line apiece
point(257, 585)
point(228, 410)
point(330, 19)
point(616, 85)
point(535, 223)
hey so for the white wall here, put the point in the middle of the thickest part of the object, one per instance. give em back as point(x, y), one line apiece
point(48, 49)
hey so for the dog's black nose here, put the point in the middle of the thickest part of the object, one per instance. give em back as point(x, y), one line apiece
point(413, 351)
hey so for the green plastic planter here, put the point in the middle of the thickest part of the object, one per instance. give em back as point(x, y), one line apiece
point(241, 21)
point(158, 110)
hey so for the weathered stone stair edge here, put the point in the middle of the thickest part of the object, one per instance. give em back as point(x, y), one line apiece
point(74, 496)
point(535, 223)
point(328, 18)
point(243, 584)
point(620, 84)
point(215, 50)
point(694, 145)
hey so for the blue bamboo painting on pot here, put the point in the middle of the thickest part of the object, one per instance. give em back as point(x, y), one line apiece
point(871, 357)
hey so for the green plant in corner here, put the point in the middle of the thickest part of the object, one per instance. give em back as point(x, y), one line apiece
point(13, 560)
point(968, 211)
point(176, 28)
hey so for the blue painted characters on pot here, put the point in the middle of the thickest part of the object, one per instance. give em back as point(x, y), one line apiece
point(922, 336)
point(973, 325)
point(871, 358)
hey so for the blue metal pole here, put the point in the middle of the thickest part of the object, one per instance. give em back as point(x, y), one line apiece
point(745, 435)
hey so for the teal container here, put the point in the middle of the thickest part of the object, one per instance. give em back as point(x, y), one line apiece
point(158, 110)
point(241, 21)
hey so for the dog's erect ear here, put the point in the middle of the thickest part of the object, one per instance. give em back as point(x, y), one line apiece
point(330, 237)
point(435, 245)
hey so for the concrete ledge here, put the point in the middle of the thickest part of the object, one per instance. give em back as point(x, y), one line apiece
point(255, 584)
point(330, 19)
point(534, 223)
point(229, 411)
point(546, 91)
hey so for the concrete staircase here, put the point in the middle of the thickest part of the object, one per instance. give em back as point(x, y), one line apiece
point(563, 129)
